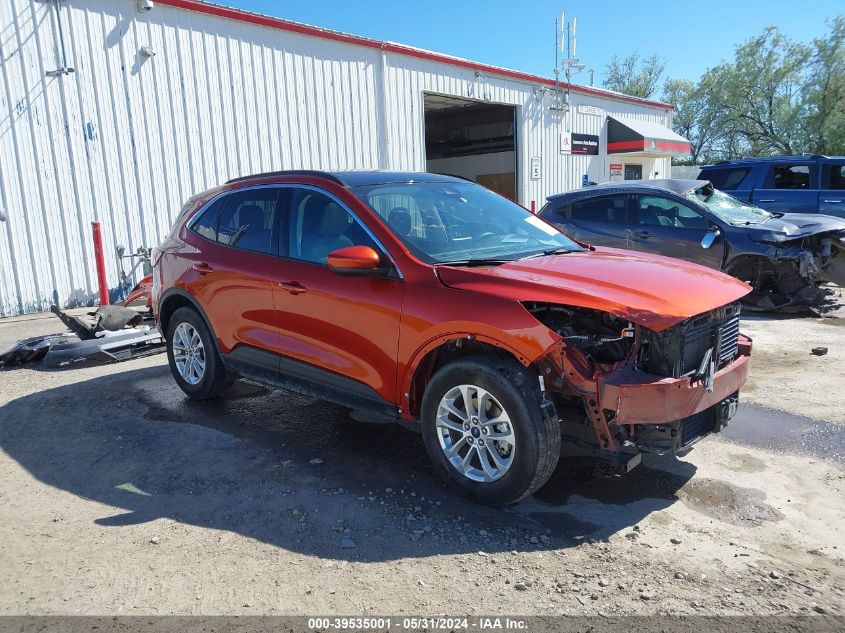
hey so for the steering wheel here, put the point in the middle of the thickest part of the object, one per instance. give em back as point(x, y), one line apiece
point(484, 236)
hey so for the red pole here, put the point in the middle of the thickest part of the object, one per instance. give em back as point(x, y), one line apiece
point(533, 207)
point(101, 264)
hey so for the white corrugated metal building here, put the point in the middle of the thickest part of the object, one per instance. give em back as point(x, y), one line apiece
point(166, 102)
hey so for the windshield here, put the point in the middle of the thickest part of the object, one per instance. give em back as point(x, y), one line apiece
point(726, 207)
point(444, 222)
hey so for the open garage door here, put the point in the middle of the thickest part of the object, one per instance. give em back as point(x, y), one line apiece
point(472, 139)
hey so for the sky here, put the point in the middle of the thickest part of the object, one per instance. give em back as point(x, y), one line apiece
point(689, 36)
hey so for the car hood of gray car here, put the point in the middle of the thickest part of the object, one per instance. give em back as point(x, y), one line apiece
point(791, 226)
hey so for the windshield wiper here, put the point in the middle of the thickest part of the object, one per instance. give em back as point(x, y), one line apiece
point(476, 261)
point(551, 251)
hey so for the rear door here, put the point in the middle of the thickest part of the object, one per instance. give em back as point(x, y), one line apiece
point(236, 242)
point(599, 220)
point(666, 226)
point(832, 194)
point(789, 187)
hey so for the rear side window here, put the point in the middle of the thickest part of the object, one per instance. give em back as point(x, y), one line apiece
point(836, 177)
point(726, 179)
point(600, 209)
point(790, 177)
point(248, 220)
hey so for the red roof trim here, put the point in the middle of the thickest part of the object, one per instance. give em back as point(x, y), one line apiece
point(304, 29)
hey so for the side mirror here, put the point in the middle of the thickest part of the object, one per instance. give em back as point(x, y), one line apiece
point(710, 237)
point(355, 260)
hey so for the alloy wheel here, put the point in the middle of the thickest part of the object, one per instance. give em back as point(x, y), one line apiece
point(188, 353)
point(475, 433)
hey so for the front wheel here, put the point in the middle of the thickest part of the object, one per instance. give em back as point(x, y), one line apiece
point(486, 430)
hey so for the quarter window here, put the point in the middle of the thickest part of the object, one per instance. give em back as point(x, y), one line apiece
point(206, 224)
point(600, 209)
point(726, 179)
point(791, 176)
point(319, 225)
point(248, 220)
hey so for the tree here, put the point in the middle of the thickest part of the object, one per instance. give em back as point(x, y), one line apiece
point(696, 118)
point(634, 76)
point(825, 93)
point(761, 93)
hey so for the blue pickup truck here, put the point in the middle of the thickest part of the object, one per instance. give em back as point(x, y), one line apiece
point(788, 184)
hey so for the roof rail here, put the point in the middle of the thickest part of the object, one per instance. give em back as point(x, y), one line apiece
point(289, 172)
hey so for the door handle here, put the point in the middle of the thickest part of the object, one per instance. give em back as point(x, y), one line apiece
point(832, 201)
point(642, 234)
point(202, 268)
point(766, 200)
point(293, 287)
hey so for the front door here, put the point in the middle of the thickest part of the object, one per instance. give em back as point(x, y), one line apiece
point(343, 329)
point(666, 226)
point(633, 172)
point(790, 187)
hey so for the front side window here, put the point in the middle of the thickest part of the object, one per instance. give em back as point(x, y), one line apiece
point(446, 222)
point(319, 225)
point(248, 220)
point(600, 209)
point(666, 212)
point(791, 176)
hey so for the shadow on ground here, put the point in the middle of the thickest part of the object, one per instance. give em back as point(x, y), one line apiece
point(243, 464)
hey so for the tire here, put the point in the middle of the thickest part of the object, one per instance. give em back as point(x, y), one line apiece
point(531, 438)
point(212, 381)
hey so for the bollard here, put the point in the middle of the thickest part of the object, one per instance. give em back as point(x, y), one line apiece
point(101, 264)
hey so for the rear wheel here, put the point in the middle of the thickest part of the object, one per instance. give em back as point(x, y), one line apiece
point(193, 358)
point(485, 429)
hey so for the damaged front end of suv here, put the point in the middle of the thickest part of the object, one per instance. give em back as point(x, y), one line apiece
point(629, 389)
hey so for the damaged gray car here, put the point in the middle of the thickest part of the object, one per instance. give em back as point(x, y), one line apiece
point(787, 258)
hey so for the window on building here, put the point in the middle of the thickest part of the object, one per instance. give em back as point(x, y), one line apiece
point(600, 209)
point(248, 220)
point(791, 176)
point(666, 212)
point(319, 225)
point(727, 179)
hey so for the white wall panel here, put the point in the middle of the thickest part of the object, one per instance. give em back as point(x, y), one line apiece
point(126, 139)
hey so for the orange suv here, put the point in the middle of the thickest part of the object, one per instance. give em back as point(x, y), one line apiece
point(431, 301)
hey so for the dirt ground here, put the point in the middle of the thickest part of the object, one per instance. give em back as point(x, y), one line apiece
point(119, 496)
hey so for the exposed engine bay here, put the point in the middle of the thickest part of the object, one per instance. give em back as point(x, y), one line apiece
point(794, 273)
point(604, 356)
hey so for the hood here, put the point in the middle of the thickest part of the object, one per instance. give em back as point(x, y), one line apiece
point(654, 291)
point(793, 226)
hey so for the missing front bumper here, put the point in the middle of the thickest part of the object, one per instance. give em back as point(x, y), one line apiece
point(679, 436)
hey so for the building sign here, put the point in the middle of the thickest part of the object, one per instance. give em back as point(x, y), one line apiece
point(585, 144)
point(588, 109)
point(535, 168)
point(616, 171)
point(565, 142)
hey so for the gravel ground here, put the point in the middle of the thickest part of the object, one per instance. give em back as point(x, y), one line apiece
point(119, 496)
